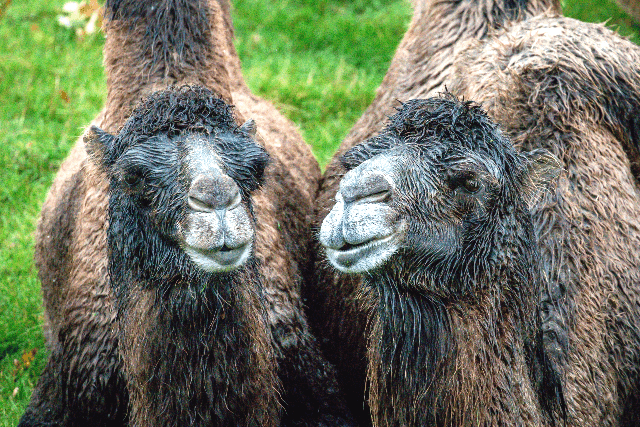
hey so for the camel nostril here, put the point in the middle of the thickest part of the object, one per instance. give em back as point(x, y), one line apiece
point(212, 193)
point(199, 205)
point(372, 187)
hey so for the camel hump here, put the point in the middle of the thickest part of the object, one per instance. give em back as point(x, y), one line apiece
point(171, 27)
point(153, 44)
point(569, 72)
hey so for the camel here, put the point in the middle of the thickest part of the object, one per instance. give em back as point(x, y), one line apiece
point(549, 82)
point(632, 7)
point(434, 213)
point(193, 333)
point(150, 46)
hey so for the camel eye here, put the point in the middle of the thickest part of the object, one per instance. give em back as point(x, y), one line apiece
point(472, 185)
point(132, 175)
point(467, 182)
point(131, 179)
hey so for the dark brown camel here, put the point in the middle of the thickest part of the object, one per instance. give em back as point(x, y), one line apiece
point(151, 45)
point(554, 83)
point(632, 7)
point(434, 212)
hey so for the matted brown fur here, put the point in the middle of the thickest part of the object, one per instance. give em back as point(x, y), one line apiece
point(147, 350)
point(549, 82)
point(71, 250)
point(632, 7)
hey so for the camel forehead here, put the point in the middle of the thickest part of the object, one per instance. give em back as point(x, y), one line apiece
point(440, 130)
point(489, 151)
point(223, 150)
point(201, 154)
point(435, 158)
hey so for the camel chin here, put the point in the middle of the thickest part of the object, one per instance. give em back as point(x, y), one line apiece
point(219, 260)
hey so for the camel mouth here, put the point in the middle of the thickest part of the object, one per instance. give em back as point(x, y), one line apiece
point(362, 257)
point(221, 259)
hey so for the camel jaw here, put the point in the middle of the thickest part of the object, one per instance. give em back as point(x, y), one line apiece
point(359, 237)
point(363, 257)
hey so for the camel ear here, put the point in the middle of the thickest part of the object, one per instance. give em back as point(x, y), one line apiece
point(99, 144)
point(543, 168)
point(250, 128)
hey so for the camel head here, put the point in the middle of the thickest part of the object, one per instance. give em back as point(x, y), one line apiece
point(438, 195)
point(181, 173)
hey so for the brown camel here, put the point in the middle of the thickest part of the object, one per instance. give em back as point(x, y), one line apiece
point(434, 211)
point(553, 83)
point(151, 45)
point(632, 7)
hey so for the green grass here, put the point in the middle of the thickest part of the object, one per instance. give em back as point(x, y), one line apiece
point(319, 61)
point(311, 59)
point(603, 11)
point(39, 60)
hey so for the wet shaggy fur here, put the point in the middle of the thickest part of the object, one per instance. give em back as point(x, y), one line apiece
point(553, 83)
point(196, 346)
point(83, 382)
point(632, 7)
point(179, 27)
point(420, 325)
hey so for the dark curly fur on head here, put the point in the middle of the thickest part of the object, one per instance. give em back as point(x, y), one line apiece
point(148, 182)
point(427, 122)
point(458, 247)
point(187, 108)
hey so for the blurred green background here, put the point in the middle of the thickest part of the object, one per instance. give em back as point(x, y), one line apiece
point(307, 56)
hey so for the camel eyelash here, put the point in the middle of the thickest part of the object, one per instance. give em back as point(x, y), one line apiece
point(467, 180)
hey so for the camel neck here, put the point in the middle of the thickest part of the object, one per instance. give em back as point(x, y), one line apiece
point(152, 44)
point(463, 363)
point(198, 355)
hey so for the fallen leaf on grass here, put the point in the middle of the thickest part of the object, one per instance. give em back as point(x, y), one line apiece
point(87, 9)
point(28, 357)
point(64, 96)
point(24, 362)
point(3, 7)
point(85, 17)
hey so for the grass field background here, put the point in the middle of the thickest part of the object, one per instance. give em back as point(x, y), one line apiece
point(319, 61)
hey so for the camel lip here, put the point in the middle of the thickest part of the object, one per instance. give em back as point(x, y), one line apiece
point(219, 259)
point(226, 255)
point(347, 257)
